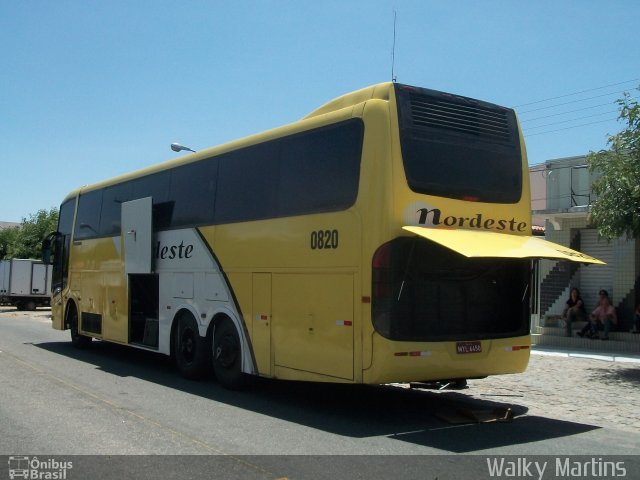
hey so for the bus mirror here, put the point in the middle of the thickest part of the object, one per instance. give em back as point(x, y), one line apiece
point(46, 252)
point(46, 247)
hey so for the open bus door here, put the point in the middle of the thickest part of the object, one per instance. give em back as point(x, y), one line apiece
point(143, 284)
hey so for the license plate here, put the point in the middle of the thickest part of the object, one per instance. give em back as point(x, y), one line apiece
point(468, 347)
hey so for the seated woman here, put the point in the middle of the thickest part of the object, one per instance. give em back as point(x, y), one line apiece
point(603, 316)
point(636, 320)
point(574, 310)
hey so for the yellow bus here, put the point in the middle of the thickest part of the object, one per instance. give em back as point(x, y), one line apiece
point(385, 237)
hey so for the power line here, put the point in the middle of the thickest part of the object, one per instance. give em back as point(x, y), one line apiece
point(571, 120)
point(564, 113)
point(577, 93)
point(569, 103)
point(566, 128)
point(528, 129)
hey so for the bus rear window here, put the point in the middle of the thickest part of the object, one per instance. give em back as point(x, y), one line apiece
point(423, 291)
point(456, 147)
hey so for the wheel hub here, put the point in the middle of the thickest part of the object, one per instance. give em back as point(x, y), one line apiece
point(226, 351)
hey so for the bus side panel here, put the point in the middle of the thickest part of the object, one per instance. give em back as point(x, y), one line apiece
point(313, 323)
point(57, 313)
point(320, 241)
point(376, 203)
point(115, 320)
point(262, 322)
point(91, 298)
point(97, 284)
point(253, 293)
point(310, 260)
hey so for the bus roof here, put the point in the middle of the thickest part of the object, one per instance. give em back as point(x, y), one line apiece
point(380, 91)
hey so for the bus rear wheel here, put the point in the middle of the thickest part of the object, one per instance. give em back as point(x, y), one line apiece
point(189, 348)
point(77, 339)
point(227, 355)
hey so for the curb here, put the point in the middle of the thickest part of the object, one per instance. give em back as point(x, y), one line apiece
point(567, 353)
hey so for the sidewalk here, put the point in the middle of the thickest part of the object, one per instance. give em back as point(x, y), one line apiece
point(621, 343)
point(595, 388)
point(582, 353)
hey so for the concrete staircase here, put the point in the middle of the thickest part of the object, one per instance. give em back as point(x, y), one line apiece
point(554, 336)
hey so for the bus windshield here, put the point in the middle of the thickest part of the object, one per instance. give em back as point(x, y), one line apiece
point(459, 148)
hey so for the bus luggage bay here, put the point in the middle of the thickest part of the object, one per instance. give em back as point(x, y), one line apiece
point(385, 237)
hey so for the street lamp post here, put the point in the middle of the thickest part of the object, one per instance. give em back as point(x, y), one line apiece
point(176, 147)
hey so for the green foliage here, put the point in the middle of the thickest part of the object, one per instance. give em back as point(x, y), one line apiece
point(616, 209)
point(26, 241)
point(8, 238)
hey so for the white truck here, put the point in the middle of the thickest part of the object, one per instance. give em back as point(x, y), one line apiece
point(25, 283)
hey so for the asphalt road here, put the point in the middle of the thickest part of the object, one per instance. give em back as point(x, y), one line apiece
point(112, 400)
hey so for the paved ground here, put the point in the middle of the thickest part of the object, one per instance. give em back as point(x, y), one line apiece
point(572, 387)
point(40, 313)
point(72, 405)
point(586, 388)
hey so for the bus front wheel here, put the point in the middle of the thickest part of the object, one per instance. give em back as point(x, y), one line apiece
point(227, 355)
point(190, 349)
point(77, 339)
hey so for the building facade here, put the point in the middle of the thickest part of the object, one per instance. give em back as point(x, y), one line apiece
point(564, 211)
point(4, 225)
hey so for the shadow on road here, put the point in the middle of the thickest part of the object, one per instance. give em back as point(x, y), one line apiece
point(611, 376)
point(358, 411)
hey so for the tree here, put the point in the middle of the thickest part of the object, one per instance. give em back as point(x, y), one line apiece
point(26, 241)
point(616, 209)
point(8, 238)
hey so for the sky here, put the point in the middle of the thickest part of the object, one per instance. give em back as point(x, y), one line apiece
point(91, 89)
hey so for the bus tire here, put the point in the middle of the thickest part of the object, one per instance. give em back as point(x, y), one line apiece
point(190, 349)
point(227, 355)
point(77, 339)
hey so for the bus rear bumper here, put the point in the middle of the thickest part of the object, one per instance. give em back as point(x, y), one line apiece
point(431, 361)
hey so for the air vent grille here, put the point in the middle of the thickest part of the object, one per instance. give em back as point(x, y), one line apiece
point(465, 118)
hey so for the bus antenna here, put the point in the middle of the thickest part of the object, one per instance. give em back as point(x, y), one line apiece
point(393, 50)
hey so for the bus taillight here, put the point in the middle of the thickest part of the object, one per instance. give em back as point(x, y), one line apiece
point(381, 273)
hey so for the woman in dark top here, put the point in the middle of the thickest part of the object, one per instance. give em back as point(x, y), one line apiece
point(574, 310)
point(636, 320)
